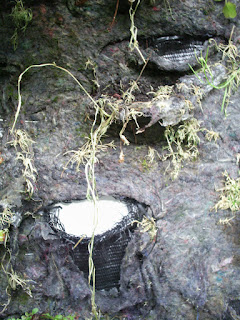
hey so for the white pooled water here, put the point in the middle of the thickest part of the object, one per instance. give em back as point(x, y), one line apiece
point(78, 217)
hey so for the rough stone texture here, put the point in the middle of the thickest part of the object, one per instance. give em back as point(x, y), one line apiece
point(191, 269)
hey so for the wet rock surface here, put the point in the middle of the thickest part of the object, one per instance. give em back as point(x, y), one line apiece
point(190, 268)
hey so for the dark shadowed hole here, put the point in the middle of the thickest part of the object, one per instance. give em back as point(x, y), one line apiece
point(153, 134)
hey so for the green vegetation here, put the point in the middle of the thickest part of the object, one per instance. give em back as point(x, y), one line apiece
point(14, 279)
point(149, 162)
point(182, 144)
point(34, 314)
point(5, 222)
point(148, 225)
point(230, 60)
point(30, 316)
point(23, 145)
point(229, 9)
point(229, 198)
point(92, 66)
point(21, 18)
point(150, 157)
point(146, 166)
point(133, 43)
point(229, 194)
point(178, 151)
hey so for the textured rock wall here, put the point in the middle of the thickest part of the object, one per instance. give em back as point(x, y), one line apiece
point(190, 270)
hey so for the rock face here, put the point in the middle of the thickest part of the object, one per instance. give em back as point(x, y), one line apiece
point(190, 268)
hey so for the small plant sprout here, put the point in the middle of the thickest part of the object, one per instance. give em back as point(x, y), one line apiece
point(226, 221)
point(231, 60)
point(15, 280)
point(21, 18)
point(129, 114)
point(4, 235)
point(6, 218)
point(148, 225)
point(133, 43)
point(163, 93)
point(128, 95)
point(22, 140)
point(29, 172)
point(92, 65)
point(47, 316)
point(29, 316)
point(211, 135)
point(229, 194)
point(145, 166)
point(182, 144)
point(83, 154)
point(198, 92)
point(151, 154)
point(5, 221)
point(193, 90)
